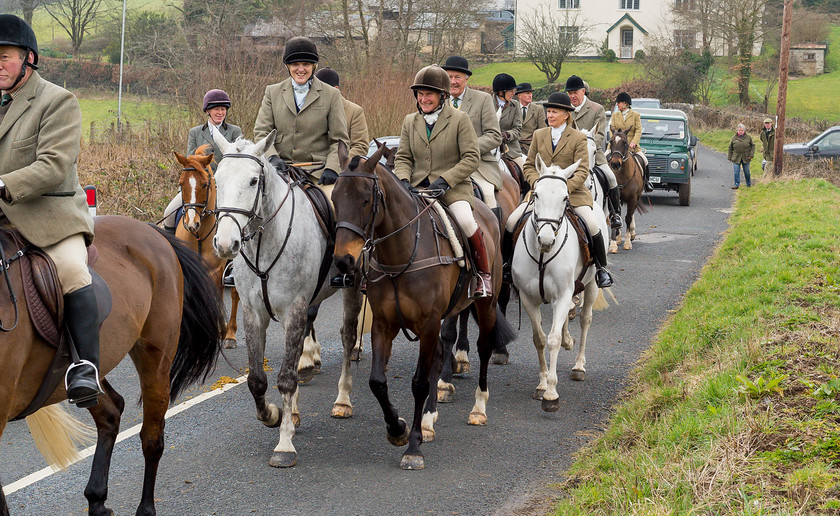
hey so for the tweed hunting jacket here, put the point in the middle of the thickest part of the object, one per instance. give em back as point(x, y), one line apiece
point(768, 141)
point(511, 122)
point(309, 135)
point(39, 145)
point(200, 135)
point(534, 119)
point(481, 108)
point(592, 115)
point(571, 147)
point(450, 152)
point(741, 149)
point(356, 128)
point(632, 125)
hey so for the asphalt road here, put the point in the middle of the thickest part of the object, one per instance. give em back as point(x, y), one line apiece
point(216, 455)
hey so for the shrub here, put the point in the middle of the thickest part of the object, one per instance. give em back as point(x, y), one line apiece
point(610, 56)
point(640, 55)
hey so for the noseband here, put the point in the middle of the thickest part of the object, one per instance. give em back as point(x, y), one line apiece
point(539, 222)
point(366, 232)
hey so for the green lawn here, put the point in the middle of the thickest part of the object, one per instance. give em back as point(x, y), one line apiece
point(136, 110)
point(597, 73)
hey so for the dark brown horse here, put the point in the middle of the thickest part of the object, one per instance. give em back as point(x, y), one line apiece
point(412, 282)
point(630, 176)
point(165, 315)
point(198, 225)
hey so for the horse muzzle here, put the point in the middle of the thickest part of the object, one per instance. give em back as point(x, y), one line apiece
point(345, 263)
point(226, 248)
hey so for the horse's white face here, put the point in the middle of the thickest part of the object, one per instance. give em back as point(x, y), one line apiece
point(238, 184)
point(550, 195)
point(592, 147)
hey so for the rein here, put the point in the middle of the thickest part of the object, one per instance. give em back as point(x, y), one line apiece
point(541, 262)
point(4, 265)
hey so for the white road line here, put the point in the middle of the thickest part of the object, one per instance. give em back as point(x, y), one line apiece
point(87, 452)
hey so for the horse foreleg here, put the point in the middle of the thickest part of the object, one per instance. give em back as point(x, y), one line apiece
point(310, 358)
point(107, 416)
point(424, 376)
point(430, 411)
point(285, 455)
point(487, 336)
point(381, 339)
point(462, 344)
point(230, 329)
point(589, 296)
point(269, 413)
point(633, 227)
point(445, 388)
point(538, 335)
point(342, 407)
point(560, 319)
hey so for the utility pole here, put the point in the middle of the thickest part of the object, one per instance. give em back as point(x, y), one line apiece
point(784, 62)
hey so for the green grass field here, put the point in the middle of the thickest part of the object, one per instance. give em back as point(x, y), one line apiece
point(598, 74)
point(136, 110)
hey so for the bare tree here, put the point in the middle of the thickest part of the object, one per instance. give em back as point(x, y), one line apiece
point(75, 17)
point(26, 7)
point(547, 40)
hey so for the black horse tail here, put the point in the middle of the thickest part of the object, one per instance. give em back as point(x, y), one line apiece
point(202, 321)
point(505, 334)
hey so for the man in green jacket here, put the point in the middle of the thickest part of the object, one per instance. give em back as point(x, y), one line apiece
point(768, 142)
point(40, 131)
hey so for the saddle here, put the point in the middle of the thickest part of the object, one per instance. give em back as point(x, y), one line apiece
point(601, 178)
point(322, 206)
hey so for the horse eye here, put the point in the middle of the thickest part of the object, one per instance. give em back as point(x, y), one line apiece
point(365, 202)
point(253, 181)
point(205, 185)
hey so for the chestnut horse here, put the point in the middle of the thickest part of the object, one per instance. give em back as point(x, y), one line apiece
point(166, 315)
point(198, 225)
point(412, 282)
point(630, 176)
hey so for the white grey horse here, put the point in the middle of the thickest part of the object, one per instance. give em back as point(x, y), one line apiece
point(548, 242)
point(268, 227)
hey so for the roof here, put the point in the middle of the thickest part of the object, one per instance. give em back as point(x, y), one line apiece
point(662, 113)
point(631, 20)
point(810, 46)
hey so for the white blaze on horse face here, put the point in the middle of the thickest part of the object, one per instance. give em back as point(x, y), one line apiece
point(192, 213)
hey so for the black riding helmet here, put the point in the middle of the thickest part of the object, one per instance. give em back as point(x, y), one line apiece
point(300, 49)
point(16, 32)
point(624, 97)
point(503, 82)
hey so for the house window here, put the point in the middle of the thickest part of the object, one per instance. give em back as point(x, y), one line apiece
point(683, 5)
point(568, 4)
point(570, 33)
point(684, 38)
point(630, 4)
point(811, 57)
point(433, 38)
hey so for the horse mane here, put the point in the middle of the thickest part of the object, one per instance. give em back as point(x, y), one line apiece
point(202, 151)
point(354, 162)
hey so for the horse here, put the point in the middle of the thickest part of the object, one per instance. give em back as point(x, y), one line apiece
point(166, 315)
point(413, 281)
point(198, 224)
point(268, 227)
point(630, 176)
point(547, 265)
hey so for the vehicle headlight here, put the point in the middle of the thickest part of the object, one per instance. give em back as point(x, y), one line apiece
point(675, 164)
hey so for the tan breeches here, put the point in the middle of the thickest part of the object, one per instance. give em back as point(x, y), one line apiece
point(462, 211)
point(70, 257)
point(487, 189)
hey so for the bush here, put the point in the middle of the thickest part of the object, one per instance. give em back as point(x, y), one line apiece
point(610, 56)
point(640, 55)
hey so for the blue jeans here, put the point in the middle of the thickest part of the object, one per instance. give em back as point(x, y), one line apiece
point(736, 167)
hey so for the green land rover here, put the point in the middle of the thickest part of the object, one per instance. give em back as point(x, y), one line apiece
point(670, 149)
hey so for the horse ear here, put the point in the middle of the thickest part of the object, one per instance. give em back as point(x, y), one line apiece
point(343, 155)
point(219, 139)
point(206, 160)
point(570, 171)
point(541, 168)
point(181, 159)
point(370, 164)
point(261, 146)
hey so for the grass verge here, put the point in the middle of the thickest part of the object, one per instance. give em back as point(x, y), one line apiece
point(736, 407)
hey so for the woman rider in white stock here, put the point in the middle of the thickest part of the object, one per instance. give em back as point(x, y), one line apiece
point(509, 113)
point(630, 121)
point(439, 148)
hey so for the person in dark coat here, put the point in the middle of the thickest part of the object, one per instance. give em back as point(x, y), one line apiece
point(768, 143)
point(740, 153)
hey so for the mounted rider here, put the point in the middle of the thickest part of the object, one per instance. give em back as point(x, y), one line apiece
point(561, 144)
point(40, 131)
point(354, 115)
point(589, 114)
point(509, 113)
point(629, 121)
point(533, 114)
point(439, 151)
point(482, 112)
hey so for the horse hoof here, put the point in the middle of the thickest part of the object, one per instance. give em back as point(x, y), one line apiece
point(627, 246)
point(411, 462)
point(356, 355)
point(614, 249)
point(578, 376)
point(477, 419)
point(273, 419)
point(317, 368)
point(499, 358)
point(446, 396)
point(400, 440)
point(229, 344)
point(461, 368)
point(568, 345)
point(428, 435)
point(296, 420)
point(341, 411)
point(538, 394)
point(550, 405)
point(306, 374)
point(283, 460)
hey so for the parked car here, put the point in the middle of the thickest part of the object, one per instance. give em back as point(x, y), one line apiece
point(647, 103)
point(824, 146)
point(669, 147)
point(391, 141)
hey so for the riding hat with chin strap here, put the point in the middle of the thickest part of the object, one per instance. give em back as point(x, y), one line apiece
point(300, 49)
point(16, 32)
point(431, 77)
point(503, 82)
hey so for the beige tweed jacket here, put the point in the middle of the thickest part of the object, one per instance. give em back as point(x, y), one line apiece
point(570, 148)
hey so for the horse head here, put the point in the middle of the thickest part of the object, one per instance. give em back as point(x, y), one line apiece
point(550, 195)
point(359, 202)
point(242, 187)
point(618, 149)
point(196, 187)
point(591, 145)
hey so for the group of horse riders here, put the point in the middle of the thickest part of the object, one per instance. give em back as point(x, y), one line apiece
point(40, 131)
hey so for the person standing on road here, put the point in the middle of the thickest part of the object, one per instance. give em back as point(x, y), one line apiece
point(40, 195)
point(533, 115)
point(509, 113)
point(354, 115)
point(629, 121)
point(439, 151)
point(768, 142)
point(482, 112)
point(590, 115)
point(741, 152)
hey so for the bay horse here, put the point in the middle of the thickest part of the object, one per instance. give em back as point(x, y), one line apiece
point(198, 224)
point(268, 227)
point(412, 282)
point(630, 176)
point(166, 315)
point(547, 265)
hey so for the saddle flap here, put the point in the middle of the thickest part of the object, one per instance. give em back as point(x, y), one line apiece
point(322, 206)
point(582, 232)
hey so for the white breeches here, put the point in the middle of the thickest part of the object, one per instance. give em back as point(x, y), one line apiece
point(462, 211)
point(585, 213)
point(70, 257)
point(608, 173)
point(171, 211)
point(487, 189)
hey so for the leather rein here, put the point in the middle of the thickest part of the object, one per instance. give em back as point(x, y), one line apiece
point(538, 223)
point(203, 212)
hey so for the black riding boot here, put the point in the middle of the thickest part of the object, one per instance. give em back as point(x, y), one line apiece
point(497, 211)
point(648, 184)
point(614, 205)
point(602, 276)
point(82, 377)
point(484, 288)
point(507, 256)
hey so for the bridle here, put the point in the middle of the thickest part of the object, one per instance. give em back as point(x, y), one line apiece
point(538, 223)
point(366, 231)
point(201, 207)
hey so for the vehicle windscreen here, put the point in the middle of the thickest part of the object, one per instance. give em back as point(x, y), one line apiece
point(637, 103)
point(663, 129)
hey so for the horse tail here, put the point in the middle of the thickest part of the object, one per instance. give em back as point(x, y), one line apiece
point(504, 332)
point(600, 301)
point(202, 322)
point(56, 433)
